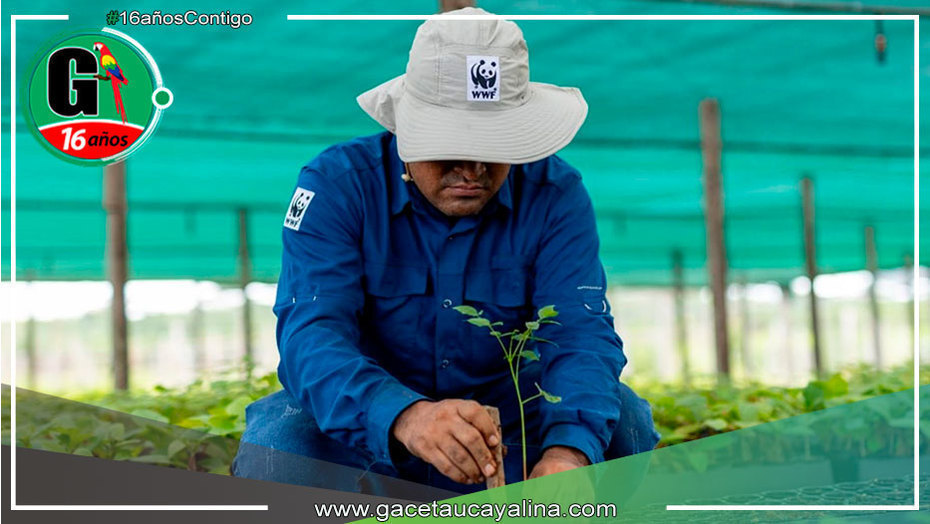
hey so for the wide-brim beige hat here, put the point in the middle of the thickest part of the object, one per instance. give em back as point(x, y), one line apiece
point(466, 95)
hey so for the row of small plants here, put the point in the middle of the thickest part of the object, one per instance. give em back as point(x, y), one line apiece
point(683, 414)
point(197, 427)
point(879, 428)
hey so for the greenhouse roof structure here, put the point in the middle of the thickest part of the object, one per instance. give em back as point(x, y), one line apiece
point(252, 105)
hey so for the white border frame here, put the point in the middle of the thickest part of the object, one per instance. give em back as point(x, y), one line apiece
point(916, 265)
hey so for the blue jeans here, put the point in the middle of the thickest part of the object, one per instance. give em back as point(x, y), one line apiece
point(282, 443)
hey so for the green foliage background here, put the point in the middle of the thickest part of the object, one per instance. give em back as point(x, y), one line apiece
point(198, 427)
point(683, 414)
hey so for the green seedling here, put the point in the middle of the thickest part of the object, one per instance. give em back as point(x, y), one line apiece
point(515, 351)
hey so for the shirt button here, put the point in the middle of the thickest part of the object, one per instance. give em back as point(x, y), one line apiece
point(451, 237)
point(446, 303)
point(445, 364)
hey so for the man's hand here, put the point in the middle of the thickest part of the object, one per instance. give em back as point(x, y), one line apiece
point(453, 435)
point(558, 459)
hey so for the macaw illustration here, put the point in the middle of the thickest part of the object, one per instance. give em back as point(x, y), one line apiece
point(114, 75)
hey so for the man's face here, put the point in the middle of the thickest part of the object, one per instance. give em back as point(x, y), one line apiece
point(458, 187)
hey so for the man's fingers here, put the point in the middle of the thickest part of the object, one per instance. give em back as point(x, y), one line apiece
point(477, 416)
point(458, 437)
point(448, 467)
point(474, 442)
point(460, 455)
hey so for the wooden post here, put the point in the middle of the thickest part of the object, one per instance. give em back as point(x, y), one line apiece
point(245, 276)
point(745, 326)
point(871, 262)
point(114, 202)
point(452, 5)
point(681, 329)
point(711, 147)
point(498, 479)
point(810, 258)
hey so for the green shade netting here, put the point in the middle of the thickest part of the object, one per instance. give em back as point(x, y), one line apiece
point(254, 104)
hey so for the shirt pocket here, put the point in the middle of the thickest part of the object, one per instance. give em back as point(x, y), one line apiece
point(505, 283)
point(392, 281)
point(502, 290)
point(393, 323)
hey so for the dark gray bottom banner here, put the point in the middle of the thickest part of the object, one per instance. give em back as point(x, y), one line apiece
point(56, 479)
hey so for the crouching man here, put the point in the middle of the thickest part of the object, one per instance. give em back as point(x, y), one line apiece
point(461, 201)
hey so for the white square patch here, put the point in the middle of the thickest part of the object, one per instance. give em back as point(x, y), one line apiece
point(484, 78)
point(298, 208)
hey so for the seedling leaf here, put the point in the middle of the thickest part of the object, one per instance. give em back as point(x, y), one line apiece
point(467, 310)
point(148, 413)
point(553, 399)
point(175, 447)
point(547, 312)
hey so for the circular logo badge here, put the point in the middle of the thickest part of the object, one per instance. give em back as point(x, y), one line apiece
point(95, 97)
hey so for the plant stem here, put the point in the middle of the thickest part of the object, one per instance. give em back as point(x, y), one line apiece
point(534, 397)
point(516, 384)
point(519, 352)
point(514, 356)
point(501, 342)
point(515, 373)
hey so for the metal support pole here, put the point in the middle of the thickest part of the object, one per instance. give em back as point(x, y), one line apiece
point(810, 258)
point(871, 262)
point(681, 329)
point(711, 147)
point(114, 202)
point(245, 276)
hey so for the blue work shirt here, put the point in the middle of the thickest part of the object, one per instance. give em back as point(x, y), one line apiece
point(371, 274)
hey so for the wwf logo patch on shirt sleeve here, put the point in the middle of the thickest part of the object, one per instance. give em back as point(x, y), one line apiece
point(298, 208)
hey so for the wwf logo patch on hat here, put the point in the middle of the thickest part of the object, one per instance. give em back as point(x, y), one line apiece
point(483, 78)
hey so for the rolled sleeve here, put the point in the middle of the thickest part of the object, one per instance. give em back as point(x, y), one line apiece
point(386, 405)
point(578, 437)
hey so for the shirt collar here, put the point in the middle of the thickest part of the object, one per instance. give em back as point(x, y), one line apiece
point(400, 192)
point(504, 196)
point(400, 195)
